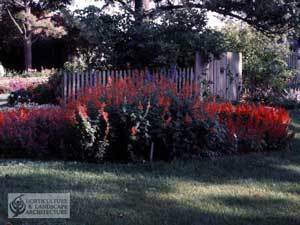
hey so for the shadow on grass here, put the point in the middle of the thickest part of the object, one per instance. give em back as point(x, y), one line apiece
point(261, 167)
point(140, 194)
point(126, 201)
point(111, 199)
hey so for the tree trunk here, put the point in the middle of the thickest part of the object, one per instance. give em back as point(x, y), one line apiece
point(28, 54)
point(140, 6)
point(28, 40)
point(138, 13)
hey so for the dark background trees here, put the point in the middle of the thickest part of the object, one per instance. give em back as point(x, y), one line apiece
point(32, 20)
point(137, 34)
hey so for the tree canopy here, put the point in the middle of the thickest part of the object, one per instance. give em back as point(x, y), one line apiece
point(139, 32)
point(104, 39)
point(268, 16)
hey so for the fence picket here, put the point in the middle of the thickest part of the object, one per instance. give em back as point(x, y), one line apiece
point(76, 85)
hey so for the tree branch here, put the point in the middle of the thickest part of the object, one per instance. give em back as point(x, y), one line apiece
point(248, 19)
point(15, 22)
point(44, 18)
point(125, 6)
point(19, 3)
point(169, 7)
point(25, 30)
point(104, 6)
point(35, 40)
point(38, 27)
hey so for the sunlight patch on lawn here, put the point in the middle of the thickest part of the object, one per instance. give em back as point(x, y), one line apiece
point(291, 168)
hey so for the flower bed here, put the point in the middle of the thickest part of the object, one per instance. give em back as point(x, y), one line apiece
point(30, 131)
point(11, 84)
point(38, 91)
point(135, 119)
point(256, 127)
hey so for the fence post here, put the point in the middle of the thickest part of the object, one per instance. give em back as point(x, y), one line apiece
point(200, 73)
point(197, 66)
point(240, 73)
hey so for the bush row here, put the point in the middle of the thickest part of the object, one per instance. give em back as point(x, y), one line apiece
point(135, 120)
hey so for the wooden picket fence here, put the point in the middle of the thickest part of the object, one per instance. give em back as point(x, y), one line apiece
point(221, 77)
point(292, 60)
point(294, 64)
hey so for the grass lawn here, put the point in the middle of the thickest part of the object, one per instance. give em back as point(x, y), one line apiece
point(253, 189)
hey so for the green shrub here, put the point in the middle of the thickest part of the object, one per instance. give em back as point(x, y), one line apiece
point(265, 69)
point(132, 132)
point(85, 139)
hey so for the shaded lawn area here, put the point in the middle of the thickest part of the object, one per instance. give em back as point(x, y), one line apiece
point(253, 189)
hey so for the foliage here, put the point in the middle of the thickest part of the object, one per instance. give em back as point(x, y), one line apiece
point(8, 31)
point(269, 16)
point(290, 99)
point(42, 25)
point(77, 63)
point(94, 34)
point(265, 71)
point(85, 139)
point(40, 93)
point(167, 32)
point(106, 40)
